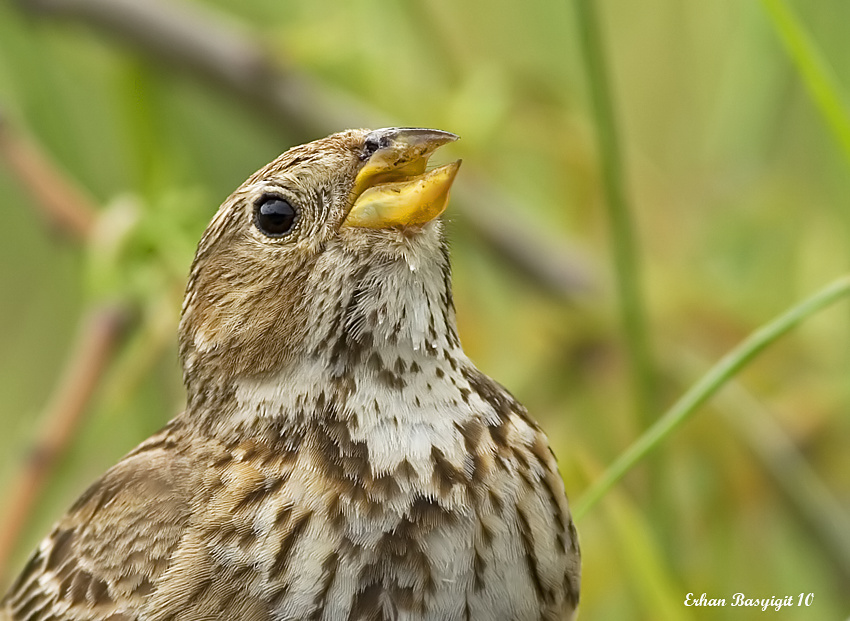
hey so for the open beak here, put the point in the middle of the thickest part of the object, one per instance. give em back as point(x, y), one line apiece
point(393, 188)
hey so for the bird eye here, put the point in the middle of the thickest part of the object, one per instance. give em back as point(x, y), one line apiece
point(274, 216)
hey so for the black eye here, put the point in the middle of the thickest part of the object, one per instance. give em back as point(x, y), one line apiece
point(274, 216)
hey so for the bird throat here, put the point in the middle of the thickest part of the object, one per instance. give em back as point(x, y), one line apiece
point(380, 377)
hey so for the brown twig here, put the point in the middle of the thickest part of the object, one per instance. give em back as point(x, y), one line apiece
point(61, 201)
point(817, 507)
point(556, 266)
point(205, 43)
point(100, 333)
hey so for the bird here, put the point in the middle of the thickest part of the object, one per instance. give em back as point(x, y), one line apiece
point(339, 456)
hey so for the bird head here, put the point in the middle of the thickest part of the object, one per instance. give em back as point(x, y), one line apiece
point(331, 246)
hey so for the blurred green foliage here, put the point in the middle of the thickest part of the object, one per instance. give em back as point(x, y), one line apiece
point(741, 201)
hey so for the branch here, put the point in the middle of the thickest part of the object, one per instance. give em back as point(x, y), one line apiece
point(557, 266)
point(99, 336)
point(822, 514)
point(205, 43)
point(64, 205)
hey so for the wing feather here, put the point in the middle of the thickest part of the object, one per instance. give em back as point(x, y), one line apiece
point(104, 556)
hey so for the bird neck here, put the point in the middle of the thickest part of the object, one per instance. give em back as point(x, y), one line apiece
point(382, 341)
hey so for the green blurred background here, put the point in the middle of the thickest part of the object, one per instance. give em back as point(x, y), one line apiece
point(739, 188)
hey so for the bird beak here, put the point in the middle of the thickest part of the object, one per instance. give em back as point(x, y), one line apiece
point(392, 188)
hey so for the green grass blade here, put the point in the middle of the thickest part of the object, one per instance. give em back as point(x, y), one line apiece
point(623, 242)
point(654, 581)
point(818, 76)
point(709, 384)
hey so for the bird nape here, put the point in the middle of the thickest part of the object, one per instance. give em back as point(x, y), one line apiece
point(339, 457)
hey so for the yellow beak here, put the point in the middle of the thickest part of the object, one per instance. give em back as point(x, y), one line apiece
point(392, 188)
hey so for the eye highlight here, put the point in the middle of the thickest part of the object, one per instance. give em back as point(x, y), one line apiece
point(274, 216)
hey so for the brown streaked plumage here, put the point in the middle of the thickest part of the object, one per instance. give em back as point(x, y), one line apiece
point(340, 457)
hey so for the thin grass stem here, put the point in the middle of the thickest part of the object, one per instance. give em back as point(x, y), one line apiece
point(817, 74)
point(623, 238)
point(726, 368)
